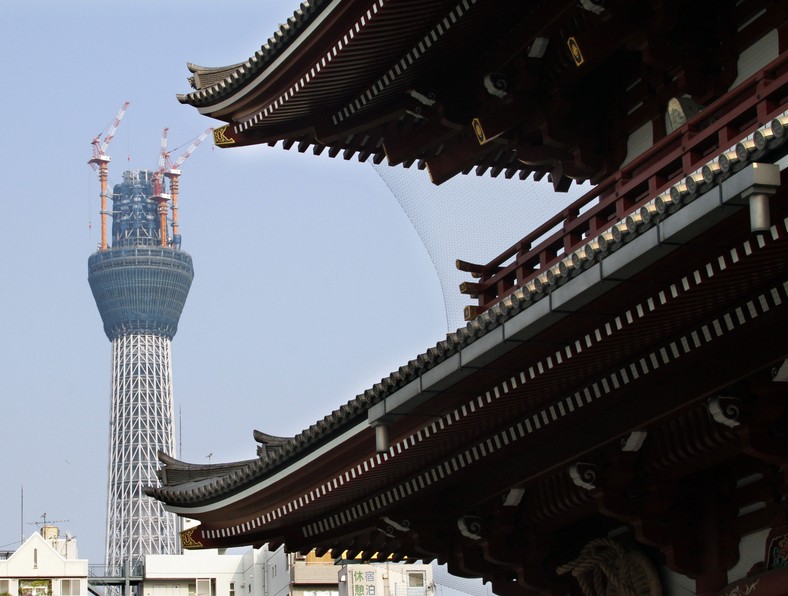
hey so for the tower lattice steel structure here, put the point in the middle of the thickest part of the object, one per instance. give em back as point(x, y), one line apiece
point(140, 285)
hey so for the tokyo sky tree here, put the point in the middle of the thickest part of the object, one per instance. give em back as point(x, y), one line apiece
point(140, 284)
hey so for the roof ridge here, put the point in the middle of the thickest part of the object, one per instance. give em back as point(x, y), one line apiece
point(243, 71)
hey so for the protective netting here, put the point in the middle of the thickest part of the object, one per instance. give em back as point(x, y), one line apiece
point(135, 217)
point(447, 584)
point(472, 218)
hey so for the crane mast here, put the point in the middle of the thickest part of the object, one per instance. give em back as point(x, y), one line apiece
point(172, 171)
point(159, 195)
point(100, 161)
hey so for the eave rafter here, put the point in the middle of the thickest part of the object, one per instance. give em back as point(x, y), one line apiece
point(648, 496)
point(591, 415)
point(730, 340)
point(531, 90)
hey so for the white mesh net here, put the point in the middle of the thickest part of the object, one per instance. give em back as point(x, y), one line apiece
point(472, 218)
point(447, 584)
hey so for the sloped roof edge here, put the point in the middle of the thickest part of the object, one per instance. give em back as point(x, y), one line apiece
point(363, 406)
point(222, 81)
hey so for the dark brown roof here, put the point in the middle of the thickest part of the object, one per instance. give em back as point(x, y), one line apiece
point(619, 377)
point(195, 484)
point(208, 77)
point(369, 81)
point(554, 417)
point(216, 83)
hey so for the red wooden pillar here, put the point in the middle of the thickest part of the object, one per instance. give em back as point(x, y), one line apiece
point(719, 545)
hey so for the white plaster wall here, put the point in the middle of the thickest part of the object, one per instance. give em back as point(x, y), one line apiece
point(254, 573)
point(757, 56)
point(639, 141)
point(37, 558)
point(201, 564)
point(383, 578)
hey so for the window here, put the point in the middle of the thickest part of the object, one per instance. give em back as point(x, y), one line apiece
point(4, 587)
point(69, 587)
point(204, 587)
point(416, 581)
point(232, 589)
point(35, 587)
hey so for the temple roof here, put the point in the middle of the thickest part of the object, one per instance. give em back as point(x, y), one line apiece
point(556, 89)
point(623, 373)
point(191, 484)
point(215, 83)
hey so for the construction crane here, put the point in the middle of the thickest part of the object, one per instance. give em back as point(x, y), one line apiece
point(172, 171)
point(158, 188)
point(100, 162)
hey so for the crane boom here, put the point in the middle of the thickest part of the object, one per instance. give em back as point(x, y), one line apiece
point(114, 127)
point(100, 161)
point(173, 173)
point(163, 151)
point(190, 149)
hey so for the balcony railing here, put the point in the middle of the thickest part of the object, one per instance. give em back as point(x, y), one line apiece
point(714, 131)
point(115, 574)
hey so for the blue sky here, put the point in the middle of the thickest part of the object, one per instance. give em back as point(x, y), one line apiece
point(311, 282)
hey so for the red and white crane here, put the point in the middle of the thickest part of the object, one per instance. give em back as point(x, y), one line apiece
point(100, 162)
point(172, 171)
point(159, 195)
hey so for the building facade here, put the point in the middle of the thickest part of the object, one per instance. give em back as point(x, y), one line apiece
point(251, 572)
point(140, 285)
point(385, 579)
point(45, 565)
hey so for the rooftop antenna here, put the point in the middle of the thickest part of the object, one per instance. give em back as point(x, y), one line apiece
point(45, 523)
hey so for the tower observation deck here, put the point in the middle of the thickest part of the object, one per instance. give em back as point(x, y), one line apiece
point(140, 284)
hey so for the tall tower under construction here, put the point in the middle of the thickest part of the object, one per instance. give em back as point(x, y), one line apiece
point(140, 283)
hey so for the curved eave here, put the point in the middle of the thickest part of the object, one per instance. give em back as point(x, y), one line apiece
point(230, 482)
point(237, 489)
point(241, 79)
point(308, 503)
point(369, 60)
point(343, 79)
point(536, 388)
point(345, 59)
point(204, 77)
point(189, 476)
point(489, 336)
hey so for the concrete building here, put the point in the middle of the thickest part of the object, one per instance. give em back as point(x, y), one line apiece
point(385, 579)
point(254, 572)
point(45, 565)
point(48, 565)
